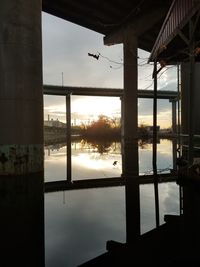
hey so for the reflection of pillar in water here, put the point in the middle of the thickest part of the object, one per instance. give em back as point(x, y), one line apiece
point(174, 153)
point(22, 220)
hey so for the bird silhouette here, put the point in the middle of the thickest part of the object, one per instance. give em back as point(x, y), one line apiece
point(115, 163)
point(92, 55)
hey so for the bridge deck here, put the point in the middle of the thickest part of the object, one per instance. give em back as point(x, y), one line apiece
point(112, 92)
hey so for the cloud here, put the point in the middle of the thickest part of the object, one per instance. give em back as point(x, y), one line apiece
point(83, 225)
point(65, 50)
point(145, 112)
point(145, 106)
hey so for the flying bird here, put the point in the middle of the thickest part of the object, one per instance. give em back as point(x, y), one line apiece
point(115, 163)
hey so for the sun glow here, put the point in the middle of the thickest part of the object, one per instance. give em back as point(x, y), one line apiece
point(95, 106)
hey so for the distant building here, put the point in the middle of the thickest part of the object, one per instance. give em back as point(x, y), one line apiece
point(54, 123)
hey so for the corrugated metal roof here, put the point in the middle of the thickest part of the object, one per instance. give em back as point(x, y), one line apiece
point(178, 16)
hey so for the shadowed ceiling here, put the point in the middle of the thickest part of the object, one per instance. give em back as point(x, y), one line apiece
point(108, 16)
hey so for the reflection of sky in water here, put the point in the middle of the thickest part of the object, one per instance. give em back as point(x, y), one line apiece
point(78, 223)
point(55, 164)
point(168, 203)
point(87, 163)
point(164, 157)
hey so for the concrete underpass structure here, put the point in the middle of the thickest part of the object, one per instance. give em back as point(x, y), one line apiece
point(135, 24)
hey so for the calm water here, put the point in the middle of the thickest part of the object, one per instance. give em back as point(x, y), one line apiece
point(79, 222)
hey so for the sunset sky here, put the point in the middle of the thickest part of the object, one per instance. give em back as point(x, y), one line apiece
point(65, 50)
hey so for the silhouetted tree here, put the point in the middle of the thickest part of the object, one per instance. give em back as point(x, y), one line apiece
point(103, 127)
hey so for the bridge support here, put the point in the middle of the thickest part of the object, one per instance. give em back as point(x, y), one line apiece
point(21, 135)
point(185, 91)
point(130, 138)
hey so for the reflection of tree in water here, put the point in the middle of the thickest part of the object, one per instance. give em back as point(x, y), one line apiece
point(55, 146)
point(143, 143)
point(100, 146)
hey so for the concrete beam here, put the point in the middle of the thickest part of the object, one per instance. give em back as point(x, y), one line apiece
point(108, 92)
point(138, 26)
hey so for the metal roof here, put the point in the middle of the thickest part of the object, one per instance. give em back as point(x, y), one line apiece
point(173, 39)
point(109, 15)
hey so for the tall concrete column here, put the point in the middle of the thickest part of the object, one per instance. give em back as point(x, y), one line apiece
point(21, 134)
point(21, 95)
point(185, 90)
point(129, 138)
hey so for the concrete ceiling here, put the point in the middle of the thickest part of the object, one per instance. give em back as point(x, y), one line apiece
point(109, 16)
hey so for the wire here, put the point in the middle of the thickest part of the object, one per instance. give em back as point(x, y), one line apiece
point(141, 64)
point(112, 61)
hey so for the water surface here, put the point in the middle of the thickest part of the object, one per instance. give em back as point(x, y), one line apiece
point(78, 223)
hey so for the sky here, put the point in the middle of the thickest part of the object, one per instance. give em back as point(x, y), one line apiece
point(65, 60)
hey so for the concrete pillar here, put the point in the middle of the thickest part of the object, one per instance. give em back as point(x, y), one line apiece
point(21, 95)
point(21, 134)
point(185, 90)
point(174, 124)
point(129, 138)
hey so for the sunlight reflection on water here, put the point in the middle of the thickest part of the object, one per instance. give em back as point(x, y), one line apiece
point(88, 163)
point(78, 223)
